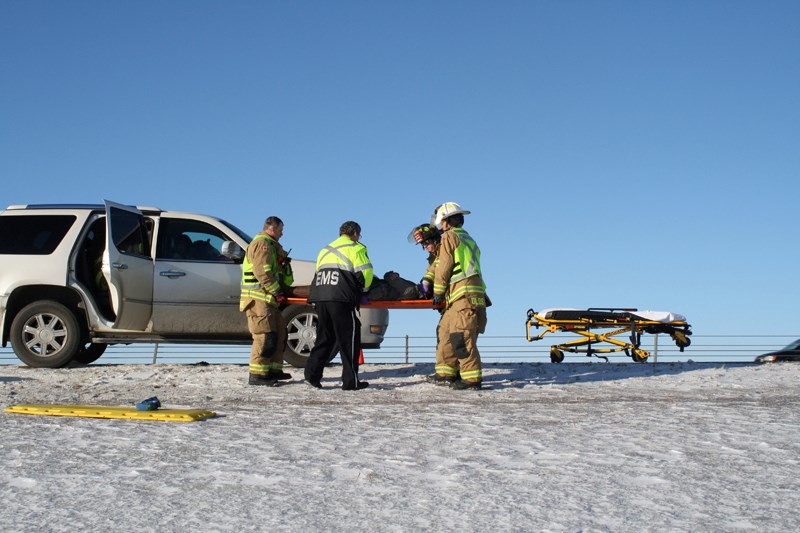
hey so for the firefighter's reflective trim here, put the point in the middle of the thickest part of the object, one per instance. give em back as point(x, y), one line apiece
point(258, 369)
point(251, 288)
point(472, 375)
point(476, 295)
point(260, 295)
point(446, 370)
point(459, 344)
point(270, 344)
point(470, 255)
point(273, 367)
point(275, 285)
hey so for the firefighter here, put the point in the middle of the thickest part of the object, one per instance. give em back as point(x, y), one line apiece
point(459, 285)
point(342, 277)
point(429, 237)
point(266, 275)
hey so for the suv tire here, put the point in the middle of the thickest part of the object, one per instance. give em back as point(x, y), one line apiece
point(89, 352)
point(301, 334)
point(45, 334)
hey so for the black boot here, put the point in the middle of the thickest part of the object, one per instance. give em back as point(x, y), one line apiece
point(439, 379)
point(466, 385)
point(361, 385)
point(260, 379)
point(279, 375)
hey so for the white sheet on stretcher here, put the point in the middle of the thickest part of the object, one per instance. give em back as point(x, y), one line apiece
point(653, 316)
point(660, 316)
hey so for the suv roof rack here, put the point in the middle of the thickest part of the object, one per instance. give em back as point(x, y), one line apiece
point(56, 206)
point(76, 206)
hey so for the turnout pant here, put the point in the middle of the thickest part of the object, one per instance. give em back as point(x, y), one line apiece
point(337, 324)
point(268, 328)
point(457, 336)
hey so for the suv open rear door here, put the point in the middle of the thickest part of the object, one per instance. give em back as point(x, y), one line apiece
point(129, 269)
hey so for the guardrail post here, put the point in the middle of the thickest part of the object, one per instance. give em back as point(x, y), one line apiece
point(155, 353)
point(406, 349)
point(655, 348)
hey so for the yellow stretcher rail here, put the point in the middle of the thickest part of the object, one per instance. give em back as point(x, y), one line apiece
point(587, 323)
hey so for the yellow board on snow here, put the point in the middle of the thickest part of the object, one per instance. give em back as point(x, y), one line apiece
point(103, 411)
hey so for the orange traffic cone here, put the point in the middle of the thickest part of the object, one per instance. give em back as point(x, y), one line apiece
point(361, 357)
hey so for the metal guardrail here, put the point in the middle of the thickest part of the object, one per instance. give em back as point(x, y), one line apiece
point(506, 349)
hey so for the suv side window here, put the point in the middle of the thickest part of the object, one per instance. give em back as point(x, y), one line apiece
point(33, 235)
point(190, 240)
point(129, 233)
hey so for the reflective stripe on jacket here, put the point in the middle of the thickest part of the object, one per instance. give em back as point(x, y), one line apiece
point(263, 283)
point(457, 269)
point(343, 272)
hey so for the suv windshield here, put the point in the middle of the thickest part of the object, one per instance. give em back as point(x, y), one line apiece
point(247, 238)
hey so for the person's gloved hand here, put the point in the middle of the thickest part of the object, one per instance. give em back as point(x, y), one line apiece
point(438, 299)
point(425, 290)
point(280, 298)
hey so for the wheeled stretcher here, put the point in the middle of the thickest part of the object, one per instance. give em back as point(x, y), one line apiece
point(589, 324)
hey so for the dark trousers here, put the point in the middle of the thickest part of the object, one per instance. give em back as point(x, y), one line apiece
point(337, 324)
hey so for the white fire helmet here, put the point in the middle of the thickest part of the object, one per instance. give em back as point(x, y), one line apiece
point(445, 210)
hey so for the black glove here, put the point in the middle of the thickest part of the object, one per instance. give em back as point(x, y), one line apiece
point(438, 299)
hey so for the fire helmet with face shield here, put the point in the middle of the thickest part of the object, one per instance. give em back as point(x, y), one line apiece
point(424, 233)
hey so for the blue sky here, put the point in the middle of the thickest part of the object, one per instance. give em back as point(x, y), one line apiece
point(641, 154)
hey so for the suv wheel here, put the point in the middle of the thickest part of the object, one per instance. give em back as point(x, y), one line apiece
point(45, 335)
point(89, 352)
point(301, 329)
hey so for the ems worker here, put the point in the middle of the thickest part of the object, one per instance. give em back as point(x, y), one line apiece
point(458, 283)
point(429, 237)
point(266, 274)
point(343, 275)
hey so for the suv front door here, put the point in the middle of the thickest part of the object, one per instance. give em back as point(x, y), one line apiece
point(128, 267)
point(196, 288)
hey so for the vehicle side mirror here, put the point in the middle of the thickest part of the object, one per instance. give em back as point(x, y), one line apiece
point(232, 251)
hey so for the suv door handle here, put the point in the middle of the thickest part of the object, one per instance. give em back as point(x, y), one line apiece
point(119, 266)
point(171, 274)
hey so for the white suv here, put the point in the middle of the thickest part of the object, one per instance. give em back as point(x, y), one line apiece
point(76, 278)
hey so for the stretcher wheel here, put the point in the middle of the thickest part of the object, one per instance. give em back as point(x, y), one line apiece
point(556, 355)
point(639, 356)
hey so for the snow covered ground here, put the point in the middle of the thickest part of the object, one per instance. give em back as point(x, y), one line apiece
point(570, 447)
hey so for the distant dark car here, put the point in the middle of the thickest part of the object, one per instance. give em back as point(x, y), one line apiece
point(790, 353)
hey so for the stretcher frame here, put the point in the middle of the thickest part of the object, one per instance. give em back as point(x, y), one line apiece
point(620, 321)
point(382, 304)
